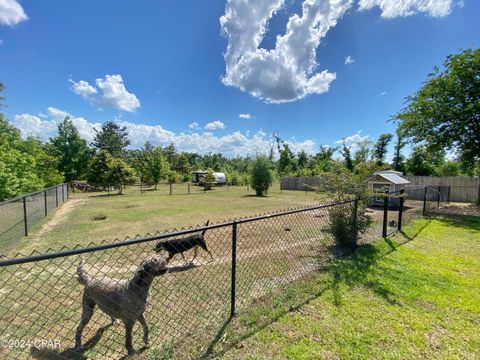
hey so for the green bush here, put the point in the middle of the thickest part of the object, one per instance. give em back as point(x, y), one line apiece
point(342, 185)
point(209, 180)
point(261, 176)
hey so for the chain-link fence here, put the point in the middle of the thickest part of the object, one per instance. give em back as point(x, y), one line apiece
point(20, 214)
point(42, 301)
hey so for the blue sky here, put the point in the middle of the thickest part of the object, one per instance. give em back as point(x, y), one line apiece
point(184, 71)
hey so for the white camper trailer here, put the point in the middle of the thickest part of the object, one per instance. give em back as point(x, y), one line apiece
point(197, 177)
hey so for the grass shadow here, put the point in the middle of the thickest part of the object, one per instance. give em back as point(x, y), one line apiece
point(352, 269)
point(70, 353)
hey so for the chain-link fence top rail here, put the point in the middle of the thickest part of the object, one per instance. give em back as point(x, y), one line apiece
point(41, 298)
point(21, 213)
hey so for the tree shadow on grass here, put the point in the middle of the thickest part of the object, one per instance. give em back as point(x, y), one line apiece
point(352, 270)
point(468, 222)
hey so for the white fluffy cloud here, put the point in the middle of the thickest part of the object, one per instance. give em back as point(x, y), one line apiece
point(396, 8)
point(353, 141)
point(349, 60)
point(289, 71)
point(194, 125)
point(245, 116)
point(11, 13)
point(110, 92)
point(233, 144)
point(214, 125)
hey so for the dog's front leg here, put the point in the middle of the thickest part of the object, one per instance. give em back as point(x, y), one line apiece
point(128, 336)
point(88, 305)
point(142, 321)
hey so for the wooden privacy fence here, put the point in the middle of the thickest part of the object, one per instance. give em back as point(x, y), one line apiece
point(460, 188)
point(303, 183)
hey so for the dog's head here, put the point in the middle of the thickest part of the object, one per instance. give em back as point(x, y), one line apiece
point(154, 265)
point(159, 247)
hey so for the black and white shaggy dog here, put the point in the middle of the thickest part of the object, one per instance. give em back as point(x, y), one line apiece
point(179, 246)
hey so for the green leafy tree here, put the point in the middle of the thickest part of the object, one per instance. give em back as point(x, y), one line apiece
point(445, 112)
point(287, 163)
point(170, 153)
point(112, 138)
point(420, 162)
point(25, 165)
point(261, 177)
point(209, 179)
point(381, 148)
point(182, 165)
point(120, 174)
point(449, 168)
point(364, 152)
point(302, 159)
point(46, 164)
point(398, 158)
point(99, 168)
point(173, 177)
point(71, 150)
point(347, 156)
point(105, 171)
point(157, 167)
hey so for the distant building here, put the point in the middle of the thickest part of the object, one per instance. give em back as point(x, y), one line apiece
point(382, 180)
point(197, 177)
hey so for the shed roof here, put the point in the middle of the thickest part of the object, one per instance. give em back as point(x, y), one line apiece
point(390, 177)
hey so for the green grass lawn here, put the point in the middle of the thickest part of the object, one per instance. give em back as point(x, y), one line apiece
point(131, 214)
point(415, 296)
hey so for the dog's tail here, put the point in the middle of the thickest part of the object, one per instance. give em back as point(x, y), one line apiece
point(83, 277)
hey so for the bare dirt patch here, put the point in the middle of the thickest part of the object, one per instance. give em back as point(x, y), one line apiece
point(58, 217)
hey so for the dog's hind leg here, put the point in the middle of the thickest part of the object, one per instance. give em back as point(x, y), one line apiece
point(128, 336)
point(195, 253)
point(204, 247)
point(142, 321)
point(183, 257)
point(88, 305)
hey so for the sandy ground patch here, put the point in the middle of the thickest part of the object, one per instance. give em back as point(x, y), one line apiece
point(58, 217)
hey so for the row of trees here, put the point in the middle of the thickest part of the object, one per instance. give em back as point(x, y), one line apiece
point(443, 116)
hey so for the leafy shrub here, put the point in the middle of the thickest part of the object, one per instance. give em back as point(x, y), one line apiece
point(209, 179)
point(342, 185)
point(261, 176)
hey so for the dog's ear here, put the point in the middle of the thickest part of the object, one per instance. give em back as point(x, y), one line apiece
point(206, 224)
point(158, 247)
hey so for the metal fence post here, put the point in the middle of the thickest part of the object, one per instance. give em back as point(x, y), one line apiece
point(56, 196)
point(400, 209)
point(25, 219)
point(306, 190)
point(171, 185)
point(188, 188)
point(448, 193)
point(385, 213)
point(355, 220)
point(63, 194)
point(425, 201)
point(68, 192)
point(45, 201)
point(234, 269)
point(438, 197)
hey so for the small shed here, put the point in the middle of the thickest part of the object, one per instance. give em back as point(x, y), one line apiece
point(381, 180)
